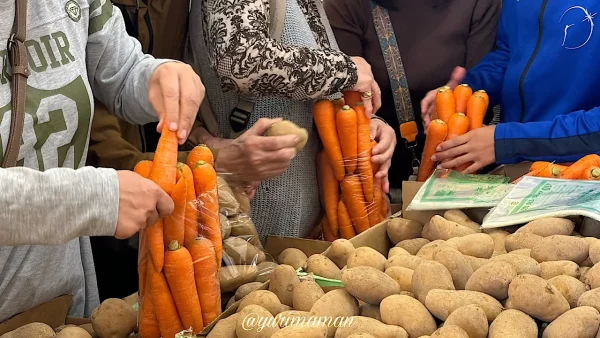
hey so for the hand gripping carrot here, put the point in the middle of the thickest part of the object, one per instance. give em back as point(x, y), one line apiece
point(436, 134)
point(330, 190)
point(476, 109)
point(191, 208)
point(207, 279)
point(164, 168)
point(346, 229)
point(445, 104)
point(205, 181)
point(576, 170)
point(174, 228)
point(200, 153)
point(364, 152)
point(355, 203)
point(347, 126)
point(351, 98)
point(462, 93)
point(457, 125)
point(143, 168)
point(324, 116)
point(166, 311)
point(179, 271)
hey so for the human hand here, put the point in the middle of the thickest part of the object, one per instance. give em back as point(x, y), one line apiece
point(175, 92)
point(428, 102)
point(384, 150)
point(141, 204)
point(253, 157)
point(476, 146)
point(366, 84)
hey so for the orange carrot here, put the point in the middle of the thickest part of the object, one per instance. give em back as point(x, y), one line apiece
point(550, 170)
point(330, 190)
point(142, 272)
point(165, 159)
point(179, 271)
point(143, 168)
point(327, 235)
point(191, 207)
point(156, 245)
point(462, 93)
point(457, 125)
point(364, 152)
point(351, 98)
point(445, 104)
point(166, 311)
point(207, 279)
point(575, 171)
point(347, 126)
point(355, 203)
point(148, 323)
point(476, 109)
point(338, 103)
point(383, 204)
point(346, 228)
point(174, 227)
point(485, 96)
point(324, 116)
point(377, 205)
point(541, 165)
point(200, 153)
point(205, 181)
point(591, 173)
point(436, 134)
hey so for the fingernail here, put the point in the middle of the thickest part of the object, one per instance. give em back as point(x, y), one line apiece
point(183, 134)
point(438, 148)
point(434, 158)
point(173, 126)
point(439, 167)
point(296, 139)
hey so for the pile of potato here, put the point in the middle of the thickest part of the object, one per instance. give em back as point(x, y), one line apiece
point(447, 278)
point(114, 318)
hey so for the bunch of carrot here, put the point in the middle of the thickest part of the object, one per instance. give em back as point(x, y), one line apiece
point(586, 168)
point(180, 255)
point(455, 113)
point(351, 195)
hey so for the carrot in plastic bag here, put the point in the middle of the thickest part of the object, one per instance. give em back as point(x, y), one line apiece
point(200, 153)
point(364, 152)
point(207, 279)
point(174, 228)
point(156, 245)
point(347, 127)
point(179, 271)
point(191, 207)
point(436, 134)
point(164, 168)
point(327, 235)
point(354, 200)
point(205, 181)
point(148, 322)
point(166, 311)
point(346, 229)
point(324, 116)
point(331, 192)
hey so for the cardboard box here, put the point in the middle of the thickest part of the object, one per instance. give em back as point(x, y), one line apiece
point(53, 313)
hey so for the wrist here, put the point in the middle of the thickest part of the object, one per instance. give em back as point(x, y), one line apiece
point(378, 120)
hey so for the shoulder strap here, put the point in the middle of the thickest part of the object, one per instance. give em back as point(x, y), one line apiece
point(20, 72)
point(240, 116)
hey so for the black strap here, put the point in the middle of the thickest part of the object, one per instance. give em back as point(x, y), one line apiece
point(20, 71)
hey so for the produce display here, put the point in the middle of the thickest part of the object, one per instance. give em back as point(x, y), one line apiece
point(586, 168)
point(447, 278)
point(455, 113)
point(351, 194)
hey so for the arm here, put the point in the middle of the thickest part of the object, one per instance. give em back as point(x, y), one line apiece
point(247, 60)
point(484, 27)
point(57, 205)
point(489, 73)
point(346, 25)
point(564, 139)
point(118, 70)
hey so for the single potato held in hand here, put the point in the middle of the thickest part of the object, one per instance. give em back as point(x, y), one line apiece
point(284, 128)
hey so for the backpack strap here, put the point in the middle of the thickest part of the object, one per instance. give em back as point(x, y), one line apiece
point(240, 116)
point(20, 72)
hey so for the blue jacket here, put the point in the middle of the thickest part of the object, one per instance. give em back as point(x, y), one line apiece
point(545, 73)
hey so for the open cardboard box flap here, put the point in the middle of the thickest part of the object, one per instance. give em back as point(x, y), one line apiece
point(53, 313)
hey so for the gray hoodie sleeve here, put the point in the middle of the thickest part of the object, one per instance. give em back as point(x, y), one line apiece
point(57, 205)
point(118, 70)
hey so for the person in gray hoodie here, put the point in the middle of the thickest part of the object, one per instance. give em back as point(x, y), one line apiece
point(50, 203)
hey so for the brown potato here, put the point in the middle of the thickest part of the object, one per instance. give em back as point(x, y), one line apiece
point(283, 128)
point(537, 297)
point(334, 304)
point(73, 332)
point(549, 226)
point(322, 266)
point(513, 324)
point(265, 271)
point(293, 317)
point(409, 314)
point(409, 262)
point(225, 226)
point(522, 264)
point(114, 318)
point(581, 322)
point(595, 251)
point(370, 326)
point(471, 318)
point(255, 321)
point(428, 276)
point(402, 276)
point(339, 251)
point(368, 284)
point(592, 277)
point(306, 294)
point(237, 251)
point(441, 303)
point(89, 328)
point(263, 298)
point(450, 331)
point(246, 289)
point(557, 268)
point(243, 227)
point(292, 257)
point(521, 240)
point(33, 330)
point(397, 251)
point(559, 248)
point(583, 272)
point(283, 282)
point(413, 245)
point(457, 265)
point(233, 276)
point(441, 228)
point(301, 331)
point(475, 262)
point(371, 311)
point(461, 218)
point(365, 256)
point(523, 252)
point(571, 288)
point(499, 237)
point(429, 249)
point(400, 229)
point(492, 279)
point(477, 245)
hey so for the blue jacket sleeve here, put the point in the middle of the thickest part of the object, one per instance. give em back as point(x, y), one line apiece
point(567, 138)
point(489, 73)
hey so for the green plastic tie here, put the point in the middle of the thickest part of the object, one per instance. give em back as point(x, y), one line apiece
point(321, 281)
